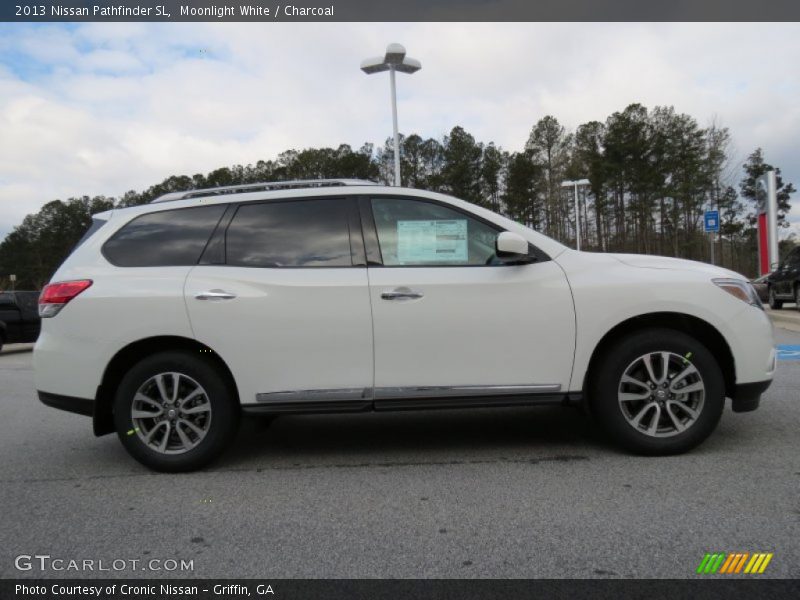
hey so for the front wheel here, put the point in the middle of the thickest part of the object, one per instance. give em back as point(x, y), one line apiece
point(774, 303)
point(658, 392)
point(174, 412)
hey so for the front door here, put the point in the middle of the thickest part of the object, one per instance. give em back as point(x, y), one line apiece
point(450, 319)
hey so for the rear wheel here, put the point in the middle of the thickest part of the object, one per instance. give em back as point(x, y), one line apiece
point(174, 412)
point(658, 391)
point(774, 303)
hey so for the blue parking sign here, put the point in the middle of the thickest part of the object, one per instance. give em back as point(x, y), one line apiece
point(711, 221)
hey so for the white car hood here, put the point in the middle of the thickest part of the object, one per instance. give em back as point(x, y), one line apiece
point(648, 261)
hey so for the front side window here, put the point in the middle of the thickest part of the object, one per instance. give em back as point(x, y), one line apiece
point(417, 233)
point(165, 238)
point(302, 233)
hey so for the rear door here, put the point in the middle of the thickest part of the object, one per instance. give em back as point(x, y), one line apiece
point(284, 300)
point(450, 319)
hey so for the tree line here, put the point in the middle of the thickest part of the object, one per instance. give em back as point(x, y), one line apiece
point(651, 173)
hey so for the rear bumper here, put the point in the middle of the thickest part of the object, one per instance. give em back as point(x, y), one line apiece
point(747, 396)
point(81, 406)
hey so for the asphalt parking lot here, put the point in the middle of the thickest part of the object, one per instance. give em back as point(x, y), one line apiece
point(487, 493)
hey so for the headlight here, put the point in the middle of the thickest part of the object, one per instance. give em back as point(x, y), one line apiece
point(740, 289)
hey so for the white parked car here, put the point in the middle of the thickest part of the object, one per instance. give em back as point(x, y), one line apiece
point(169, 320)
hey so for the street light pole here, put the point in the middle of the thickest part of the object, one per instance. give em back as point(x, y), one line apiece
point(575, 183)
point(394, 129)
point(394, 60)
point(577, 221)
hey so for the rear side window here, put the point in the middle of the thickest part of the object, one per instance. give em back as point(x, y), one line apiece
point(303, 233)
point(165, 238)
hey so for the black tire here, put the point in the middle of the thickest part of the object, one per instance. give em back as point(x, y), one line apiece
point(220, 428)
point(774, 303)
point(797, 296)
point(608, 409)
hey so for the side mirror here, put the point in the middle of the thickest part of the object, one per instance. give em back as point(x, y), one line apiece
point(511, 247)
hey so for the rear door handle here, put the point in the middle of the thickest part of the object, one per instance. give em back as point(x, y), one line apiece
point(402, 293)
point(215, 295)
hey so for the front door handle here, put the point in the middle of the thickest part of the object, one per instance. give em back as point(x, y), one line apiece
point(215, 295)
point(402, 293)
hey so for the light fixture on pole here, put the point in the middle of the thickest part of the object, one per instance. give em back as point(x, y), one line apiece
point(575, 183)
point(394, 60)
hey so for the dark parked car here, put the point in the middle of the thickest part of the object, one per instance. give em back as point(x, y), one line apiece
point(784, 282)
point(19, 317)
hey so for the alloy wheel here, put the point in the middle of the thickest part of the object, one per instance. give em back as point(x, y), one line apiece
point(171, 413)
point(661, 394)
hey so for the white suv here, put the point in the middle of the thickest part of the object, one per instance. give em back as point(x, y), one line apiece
point(170, 320)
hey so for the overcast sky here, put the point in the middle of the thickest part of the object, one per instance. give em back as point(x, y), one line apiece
point(105, 108)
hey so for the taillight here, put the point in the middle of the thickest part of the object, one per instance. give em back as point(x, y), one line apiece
point(56, 295)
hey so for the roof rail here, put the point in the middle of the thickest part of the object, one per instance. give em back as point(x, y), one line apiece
point(265, 186)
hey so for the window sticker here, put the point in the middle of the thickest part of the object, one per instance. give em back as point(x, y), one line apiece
point(432, 241)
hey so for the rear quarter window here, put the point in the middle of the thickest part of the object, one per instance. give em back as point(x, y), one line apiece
point(165, 238)
point(96, 224)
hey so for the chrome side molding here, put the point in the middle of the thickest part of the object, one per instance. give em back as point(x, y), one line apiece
point(461, 391)
point(326, 395)
point(399, 393)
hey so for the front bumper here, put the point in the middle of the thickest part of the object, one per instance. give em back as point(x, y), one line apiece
point(747, 396)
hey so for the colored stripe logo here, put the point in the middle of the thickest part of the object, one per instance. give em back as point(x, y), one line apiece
point(734, 563)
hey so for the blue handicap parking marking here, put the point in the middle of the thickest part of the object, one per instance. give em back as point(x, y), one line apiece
point(788, 352)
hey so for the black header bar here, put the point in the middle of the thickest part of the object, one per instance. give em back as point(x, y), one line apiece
point(273, 11)
point(743, 588)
